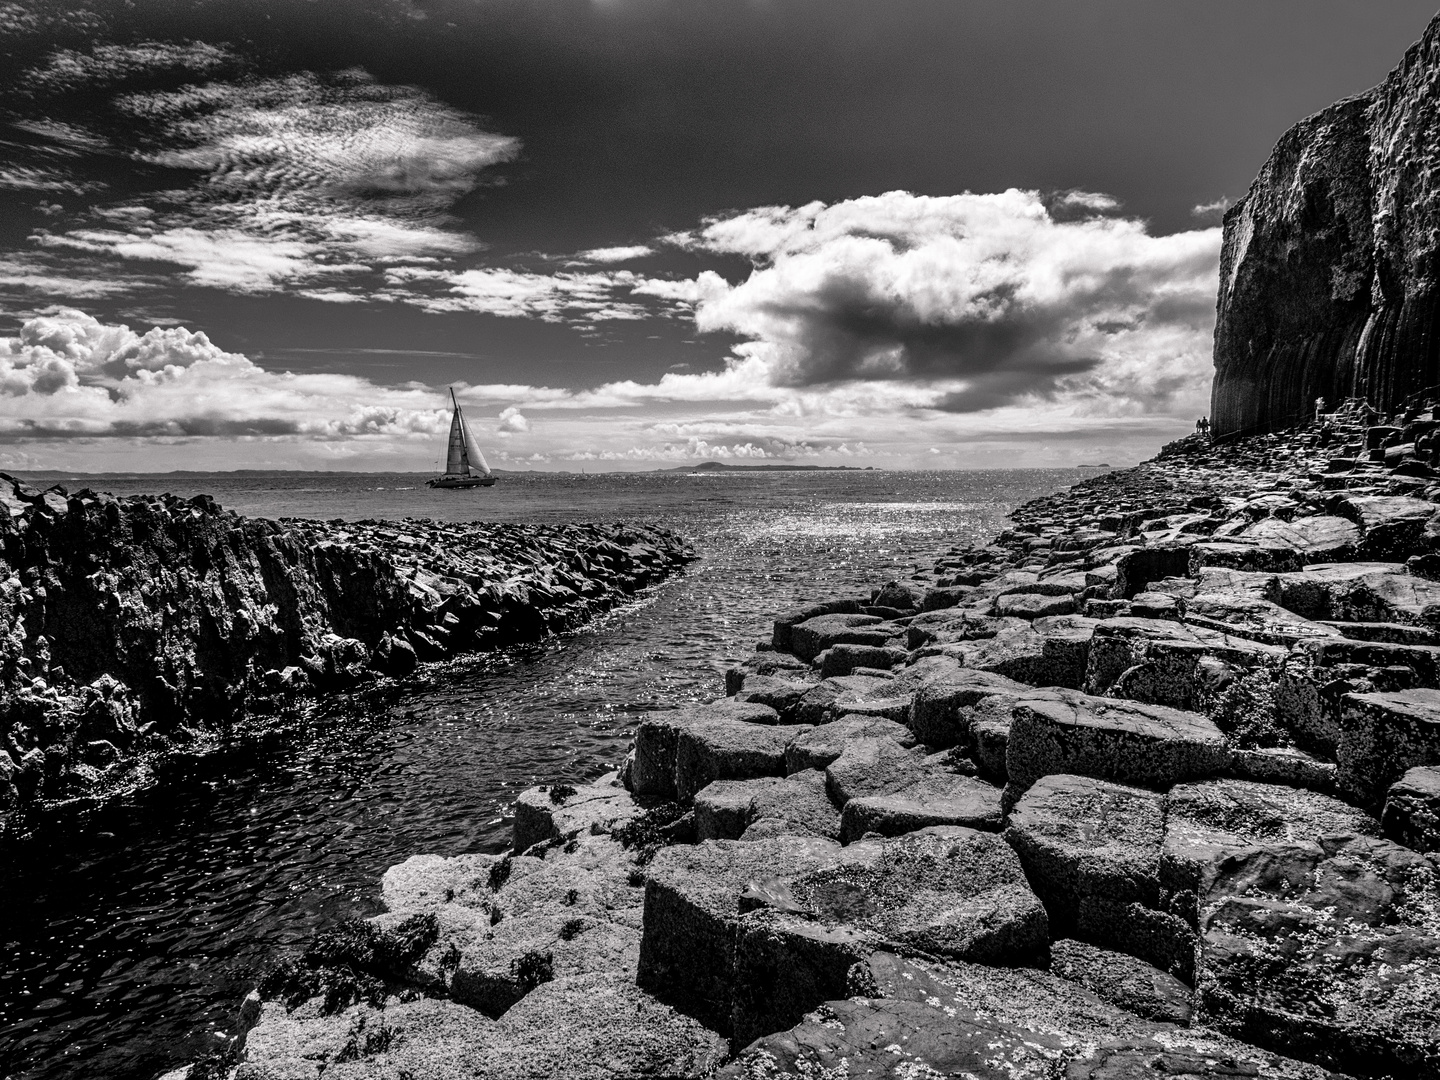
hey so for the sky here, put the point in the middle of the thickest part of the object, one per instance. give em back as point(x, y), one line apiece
point(633, 234)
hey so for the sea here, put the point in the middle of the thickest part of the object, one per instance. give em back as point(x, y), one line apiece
point(129, 934)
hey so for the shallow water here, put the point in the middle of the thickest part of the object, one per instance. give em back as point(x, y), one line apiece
point(129, 940)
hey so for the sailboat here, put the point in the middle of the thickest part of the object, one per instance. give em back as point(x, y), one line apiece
point(464, 463)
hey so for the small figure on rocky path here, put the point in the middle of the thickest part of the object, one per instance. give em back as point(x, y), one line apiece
point(1203, 425)
point(1319, 408)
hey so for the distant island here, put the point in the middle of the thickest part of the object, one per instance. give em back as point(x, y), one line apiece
point(719, 466)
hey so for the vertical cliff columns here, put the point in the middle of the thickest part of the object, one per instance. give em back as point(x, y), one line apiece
point(1329, 279)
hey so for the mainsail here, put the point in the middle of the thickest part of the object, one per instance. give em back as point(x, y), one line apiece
point(456, 460)
point(462, 454)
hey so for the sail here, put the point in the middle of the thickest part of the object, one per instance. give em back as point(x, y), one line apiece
point(456, 461)
point(475, 458)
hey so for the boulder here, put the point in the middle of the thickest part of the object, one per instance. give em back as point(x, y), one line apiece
point(692, 916)
point(909, 1018)
point(725, 809)
point(937, 798)
point(427, 882)
point(943, 891)
point(834, 697)
point(1110, 739)
point(1091, 850)
point(518, 954)
point(710, 750)
point(1326, 950)
point(939, 710)
point(817, 747)
point(559, 811)
point(989, 724)
point(1030, 654)
point(1158, 661)
point(589, 1027)
point(1321, 538)
point(843, 659)
point(1205, 821)
point(1384, 735)
point(1263, 557)
point(1360, 592)
point(1253, 618)
point(782, 695)
point(781, 636)
point(873, 765)
point(1412, 810)
point(1392, 527)
point(1030, 606)
point(812, 637)
point(1123, 980)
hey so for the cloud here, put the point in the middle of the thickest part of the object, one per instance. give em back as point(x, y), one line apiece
point(990, 297)
point(68, 70)
point(1212, 211)
point(614, 254)
point(67, 375)
point(597, 296)
point(298, 179)
point(39, 178)
point(513, 421)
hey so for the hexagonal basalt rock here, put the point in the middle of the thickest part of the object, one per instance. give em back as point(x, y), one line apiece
point(937, 715)
point(812, 637)
point(1091, 850)
point(1123, 980)
point(1205, 821)
point(942, 891)
point(1112, 739)
point(559, 811)
point(726, 809)
point(1412, 810)
point(692, 916)
point(709, 750)
point(817, 747)
point(1384, 735)
point(1329, 950)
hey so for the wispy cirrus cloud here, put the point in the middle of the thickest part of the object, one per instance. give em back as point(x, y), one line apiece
point(298, 179)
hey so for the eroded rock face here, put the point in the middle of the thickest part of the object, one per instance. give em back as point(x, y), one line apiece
point(1328, 282)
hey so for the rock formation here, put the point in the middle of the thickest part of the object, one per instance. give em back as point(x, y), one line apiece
point(1184, 826)
point(134, 627)
point(1330, 275)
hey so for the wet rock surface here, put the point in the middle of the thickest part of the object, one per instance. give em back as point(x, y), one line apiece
point(134, 629)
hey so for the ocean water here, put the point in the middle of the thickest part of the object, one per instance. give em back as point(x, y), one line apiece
point(128, 937)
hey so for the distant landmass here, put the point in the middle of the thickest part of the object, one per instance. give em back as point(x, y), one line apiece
point(720, 466)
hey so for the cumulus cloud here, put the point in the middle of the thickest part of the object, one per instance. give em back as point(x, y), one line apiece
point(990, 299)
point(513, 421)
point(66, 374)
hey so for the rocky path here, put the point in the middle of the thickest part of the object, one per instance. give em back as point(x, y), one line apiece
point(1148, 787)
point(136, 629)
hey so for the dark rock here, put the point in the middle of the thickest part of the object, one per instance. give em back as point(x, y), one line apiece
point(1110, 739)
point(1325, 950)
point(724, 749)
point(817, 747)
point(1123, 980)
point(939, 709)
point(812, 637)
point(1412, 810)
point(1091, 850)
point(1325, 279)
point(726, 809)
point(1384, 735)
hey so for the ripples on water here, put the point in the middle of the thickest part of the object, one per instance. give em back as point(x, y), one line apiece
point(130, 937)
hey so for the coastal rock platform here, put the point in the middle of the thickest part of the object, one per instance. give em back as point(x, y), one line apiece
point(1140, 838)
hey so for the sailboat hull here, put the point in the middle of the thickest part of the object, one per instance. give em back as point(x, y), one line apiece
point(460, 481)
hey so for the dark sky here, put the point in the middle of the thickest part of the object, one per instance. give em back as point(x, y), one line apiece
point(618, 122)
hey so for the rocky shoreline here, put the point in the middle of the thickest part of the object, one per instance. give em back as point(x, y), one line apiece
point(142, 629)
point(1147, 787)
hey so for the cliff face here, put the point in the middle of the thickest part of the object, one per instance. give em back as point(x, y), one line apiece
point(131, 628)
point(1329, 278)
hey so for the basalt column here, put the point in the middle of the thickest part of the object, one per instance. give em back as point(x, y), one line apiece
point(1329, 281)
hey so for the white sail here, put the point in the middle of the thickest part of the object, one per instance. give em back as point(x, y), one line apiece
point(456, 460)
point(475, 458)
